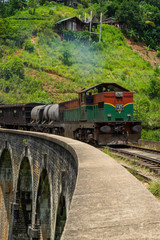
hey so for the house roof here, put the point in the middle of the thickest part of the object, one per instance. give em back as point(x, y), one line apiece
point(110, 18)
point(63, 20)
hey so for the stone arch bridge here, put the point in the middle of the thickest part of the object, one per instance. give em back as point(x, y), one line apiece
point(47, 181)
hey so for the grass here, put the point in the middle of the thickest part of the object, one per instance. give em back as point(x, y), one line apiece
point(154, 188)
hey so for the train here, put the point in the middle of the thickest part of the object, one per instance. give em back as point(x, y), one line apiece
point(101, 114)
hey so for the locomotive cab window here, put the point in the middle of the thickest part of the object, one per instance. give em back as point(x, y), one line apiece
point(112, 88)
point(89, 98)
point(82, 98)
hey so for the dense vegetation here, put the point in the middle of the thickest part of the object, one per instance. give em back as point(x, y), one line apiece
point(35, 65)
point(140, 19)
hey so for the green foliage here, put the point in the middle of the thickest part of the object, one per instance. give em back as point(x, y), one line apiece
point(79, 36)
point(129, 13)
point(66, 55)
point(6, 30)
point(28, 45)
point(153, 135)
point(141, 21)
point(133, 34)
point(112, 8)
point(8, 8)
point(33, 4)
point(112, 35)
point(154, 188)
point(12, 66)
point(154, 89)
point(51, 12)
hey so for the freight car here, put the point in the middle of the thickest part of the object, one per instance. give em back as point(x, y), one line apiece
point(16, 116)
point(101, 114)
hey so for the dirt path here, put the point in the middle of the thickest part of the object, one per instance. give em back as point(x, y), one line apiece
point(18, 52)
point(33, 40)
point(141, 48)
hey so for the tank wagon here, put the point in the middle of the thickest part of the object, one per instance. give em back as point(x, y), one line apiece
point(101, 114)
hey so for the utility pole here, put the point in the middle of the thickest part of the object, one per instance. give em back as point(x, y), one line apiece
point(85, 18)
point(100, 27)
point(90, 25)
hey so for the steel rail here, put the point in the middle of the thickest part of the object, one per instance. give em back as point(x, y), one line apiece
point(150, 162)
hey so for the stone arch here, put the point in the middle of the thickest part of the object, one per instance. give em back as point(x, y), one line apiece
point(23, 205)
point(61, 217)
point(6, 192)
point(43, 212)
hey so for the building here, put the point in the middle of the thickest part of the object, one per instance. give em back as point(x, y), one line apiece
point(72, 23)
point(111, 21)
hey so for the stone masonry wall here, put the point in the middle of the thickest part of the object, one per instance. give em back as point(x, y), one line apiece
point(149, 144)
point(42, 154)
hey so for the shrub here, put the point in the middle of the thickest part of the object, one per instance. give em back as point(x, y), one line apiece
point(66, 56)
point(12, 67)
point(51, 12)
point(78, 36)
point(153, 135)
point(154, 188)
point(154, 89)
point(30, 11)
point(28, 45)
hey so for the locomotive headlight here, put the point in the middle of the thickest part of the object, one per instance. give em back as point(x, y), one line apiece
point(105, 129)
point(137, 128)
point(129, 116)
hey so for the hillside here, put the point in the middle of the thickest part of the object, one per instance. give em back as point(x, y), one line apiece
point(35, 65)
point(141, 48)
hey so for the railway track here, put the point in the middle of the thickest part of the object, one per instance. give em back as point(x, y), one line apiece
point(144, 157)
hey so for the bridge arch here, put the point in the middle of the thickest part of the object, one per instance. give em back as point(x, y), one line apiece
point(23, 201)
point(6, 191)
point(43, 206)
point(61, 216)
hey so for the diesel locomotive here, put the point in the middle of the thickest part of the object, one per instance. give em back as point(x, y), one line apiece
point(101, 114)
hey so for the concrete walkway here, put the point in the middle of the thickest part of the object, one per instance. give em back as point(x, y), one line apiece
point(109, 203)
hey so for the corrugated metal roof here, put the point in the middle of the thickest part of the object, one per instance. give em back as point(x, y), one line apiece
point(63, 20)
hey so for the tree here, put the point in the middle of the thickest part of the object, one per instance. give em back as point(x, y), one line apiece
point(33, 4)
point(154, 3)
point(8, 8)
point(129, 13)
point(66, 55)
point(2, 9)
point(6, 31)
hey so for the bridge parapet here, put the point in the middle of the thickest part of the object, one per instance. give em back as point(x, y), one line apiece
point(54, 178)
